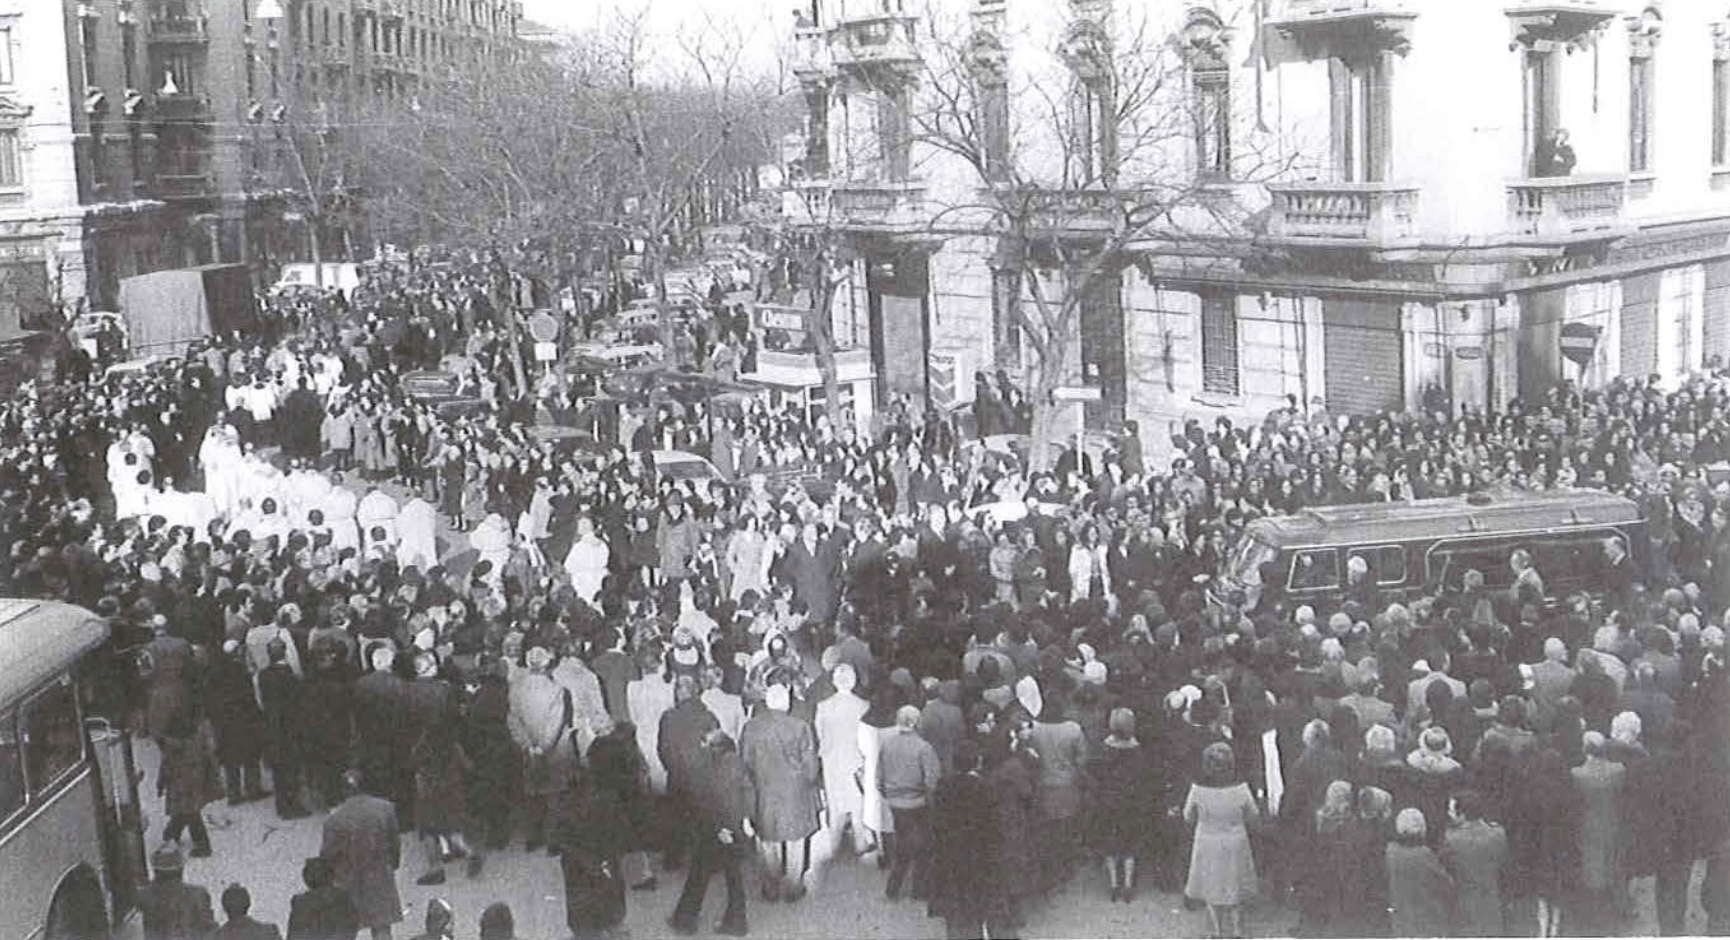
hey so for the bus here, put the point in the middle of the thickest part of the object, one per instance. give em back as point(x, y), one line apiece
point(1414, 548)
point(71, 829)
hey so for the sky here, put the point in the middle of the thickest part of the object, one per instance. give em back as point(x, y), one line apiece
point(763, 23)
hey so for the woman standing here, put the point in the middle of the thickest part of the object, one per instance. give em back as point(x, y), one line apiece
point(1221, 866)
point(1420, 890)
point(1324, 888)
point(1126, 802)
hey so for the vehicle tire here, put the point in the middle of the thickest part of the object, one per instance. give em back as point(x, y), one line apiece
point(77, 912)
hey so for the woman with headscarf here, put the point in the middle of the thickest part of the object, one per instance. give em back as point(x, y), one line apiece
point(1221, 866)
point(1434, 773)
point(1125, 802)
point(1420, 889)
point(1328, 877)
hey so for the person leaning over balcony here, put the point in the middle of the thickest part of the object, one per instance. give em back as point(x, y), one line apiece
point(1555, 156)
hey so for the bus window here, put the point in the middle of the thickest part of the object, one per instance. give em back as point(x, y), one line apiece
point(1387, 563)
point(53, 741)
point(1314, 570)
point(11, 768)
point(1488, 559)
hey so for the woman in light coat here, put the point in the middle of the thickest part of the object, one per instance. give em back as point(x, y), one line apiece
point(1089, 574)
point(748, 557)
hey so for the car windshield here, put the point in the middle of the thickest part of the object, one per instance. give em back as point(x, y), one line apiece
point(1246, 560)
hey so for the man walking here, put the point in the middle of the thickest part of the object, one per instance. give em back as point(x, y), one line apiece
point(361, 844)
point(908, 770)
point(780, 752)
point(725, 801)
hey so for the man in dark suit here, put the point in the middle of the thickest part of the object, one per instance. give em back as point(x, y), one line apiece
point(969, 851)
point(170, 908)
point(236, 903)
point(680, 746)
point(360, 841)
point(721, 836)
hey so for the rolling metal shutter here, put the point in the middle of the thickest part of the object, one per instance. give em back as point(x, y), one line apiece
point(1363, 356)
point(1640, 325)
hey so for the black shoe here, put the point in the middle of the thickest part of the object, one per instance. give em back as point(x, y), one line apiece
point(293, 814)
point(731, 930)
point(202, 851)
point(1116, 894)
point(431, 878)
point(771, 892)
point(476, 863)
point(532, 845)
point(680, 927)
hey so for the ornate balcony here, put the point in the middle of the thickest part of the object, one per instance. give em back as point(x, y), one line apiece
point(1370, 214)
point(877, 205)
point(1310, 30)
point(806, 202)
point(189, 27)
point(1572, 24)
point(182, 107)
point(878, 40)
point(389, 10)
point(810, 56)
point(1568, 208)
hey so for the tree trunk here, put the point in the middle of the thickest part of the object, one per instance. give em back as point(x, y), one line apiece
point(822, 327)
point(1047, 378)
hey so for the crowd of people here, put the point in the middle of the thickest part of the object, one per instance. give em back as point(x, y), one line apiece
point(645, 673)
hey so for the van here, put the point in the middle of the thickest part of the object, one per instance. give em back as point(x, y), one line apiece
point(1418, 548)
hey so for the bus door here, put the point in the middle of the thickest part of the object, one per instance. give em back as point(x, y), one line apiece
point(120, 815)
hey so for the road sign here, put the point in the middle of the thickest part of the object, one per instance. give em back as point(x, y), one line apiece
point(546, 352)
point(1076, 393)
point(543, 327)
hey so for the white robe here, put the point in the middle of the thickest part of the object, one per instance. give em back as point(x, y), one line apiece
point(376, 510)
point(417, 525)
point(587, 565)
point(339, 507)
point(492, 541)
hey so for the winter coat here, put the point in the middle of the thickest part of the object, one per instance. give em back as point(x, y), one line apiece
point(360, 841)
point(189, 778)
point(780, 752)
point(1421, 893)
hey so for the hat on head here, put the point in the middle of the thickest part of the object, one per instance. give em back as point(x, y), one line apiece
point(1094, 673)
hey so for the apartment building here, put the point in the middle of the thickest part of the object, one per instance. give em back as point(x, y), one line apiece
point(137, 135)
point(1374, 211)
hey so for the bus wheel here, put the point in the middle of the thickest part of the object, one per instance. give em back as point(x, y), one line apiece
point(78, 912)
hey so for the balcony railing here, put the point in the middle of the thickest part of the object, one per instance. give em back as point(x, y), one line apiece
point(1372, 213)
point(1568, 207)
point(1343, 8)
point(806, 202)
point(877, 205)
point(180, 28)
point(1310, 30)
point(180, 185)
point(881, 39)
point(182, 107)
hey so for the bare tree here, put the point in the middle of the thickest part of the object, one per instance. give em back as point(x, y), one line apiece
point(1080, 163)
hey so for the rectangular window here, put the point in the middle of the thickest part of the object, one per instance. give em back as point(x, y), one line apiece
point(11, 767)
point(87, 51)
point(11, 159)
point(6, 55)
point(128, 54)
point(1720, 111)
point(1219, 366)
point(52, 738)
point(1316, 570)
point(1386, 563)
point(1213, 123)
point(1640, 106)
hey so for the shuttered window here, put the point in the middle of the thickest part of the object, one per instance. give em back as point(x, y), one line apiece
point(1640, 106)
point(1219, 352)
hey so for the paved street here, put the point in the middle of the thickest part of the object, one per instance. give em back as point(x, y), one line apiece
point(256, 849)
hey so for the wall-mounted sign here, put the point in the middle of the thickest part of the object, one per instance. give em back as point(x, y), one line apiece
point(1469, 352)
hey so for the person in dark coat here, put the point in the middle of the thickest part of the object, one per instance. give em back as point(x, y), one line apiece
point(1475, 852)
point(721, 836)
point(323, 911)
point(486, 739)
point(968, 857)
point(361, 843)
point(1320, 764)
point(170, 908)
point(279, 692)
point(239, 725)
point(380, 714)
point(1327, 882)
point(812, 565)
point(1421, 892)
point(326, 722)
point(169, 668)
point(1367, 836)
point(188, 780)
point(442, 770)
point(1124, 802)
point(1010, 780)
point(594, 837)
point(1600, 788)
point(680, 747)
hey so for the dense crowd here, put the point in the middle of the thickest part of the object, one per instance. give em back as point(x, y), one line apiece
point(928, 653)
